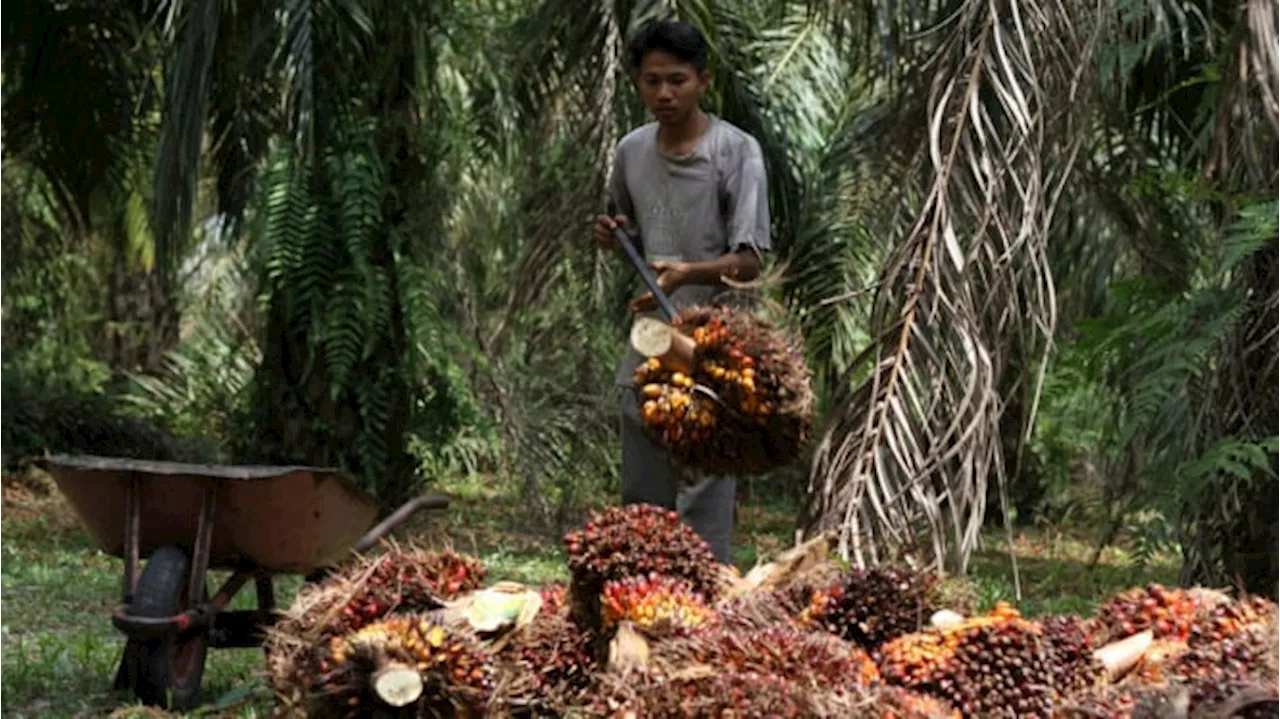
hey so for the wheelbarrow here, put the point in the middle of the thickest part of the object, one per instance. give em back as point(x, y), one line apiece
point(186, 519)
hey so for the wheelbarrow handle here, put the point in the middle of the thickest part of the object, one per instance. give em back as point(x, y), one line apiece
point(665, 305)
point(406, 510)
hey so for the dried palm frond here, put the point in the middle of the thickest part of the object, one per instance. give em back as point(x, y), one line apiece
point(966, 295)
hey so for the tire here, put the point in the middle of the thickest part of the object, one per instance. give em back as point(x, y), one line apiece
point(169, 670)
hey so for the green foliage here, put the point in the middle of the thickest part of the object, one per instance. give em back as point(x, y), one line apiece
point(39, 418)
point(203, 391)
point(330, 279)
point(1128, 426)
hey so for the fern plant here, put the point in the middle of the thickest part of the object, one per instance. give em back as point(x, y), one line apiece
point(337, 381)
point(1162, 358)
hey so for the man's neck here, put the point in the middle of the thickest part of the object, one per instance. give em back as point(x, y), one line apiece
point(682, 137)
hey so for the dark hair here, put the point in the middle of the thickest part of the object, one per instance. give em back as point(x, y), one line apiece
point(680, 39)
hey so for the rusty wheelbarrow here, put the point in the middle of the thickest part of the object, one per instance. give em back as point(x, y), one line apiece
point(186, 519)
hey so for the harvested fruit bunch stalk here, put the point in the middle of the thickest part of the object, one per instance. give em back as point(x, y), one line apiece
point(655, 603)
point(995, 665)
point(409, 661)
point(630, 541)
point(744, 408)
point(871, 606)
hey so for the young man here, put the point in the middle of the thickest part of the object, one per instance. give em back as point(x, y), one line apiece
point(690, 189)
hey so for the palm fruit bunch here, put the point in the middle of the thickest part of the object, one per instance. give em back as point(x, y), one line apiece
point(630, 541)
point(1122, 702)
point(760, 609)
point(457, 673)
point(550, 663)
point(655, 603)
point(1069, 649)
point(1168, 613)
point(753, 410)
point(871, 606)
point(1234, 645)
point(731, 694)
point(890, 702)
point(815, 661)
point(991, 665)
point(405, 581)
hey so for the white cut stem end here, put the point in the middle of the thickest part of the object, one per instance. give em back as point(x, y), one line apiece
point(654, 338)
point(397, 684)
point(1119, 657)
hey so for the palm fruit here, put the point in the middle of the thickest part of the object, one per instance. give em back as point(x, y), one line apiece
point(734, 694)
point(813, 661)
point(554, 598)
point(457, 673)
point(550, 665)
point(995, 664)
point(752, 409)
point(655, 603)
point(1168, 613)
point(1069, 651)
point(1234, 645)
point(405, 581)
point(872, 606)
point(629, 541)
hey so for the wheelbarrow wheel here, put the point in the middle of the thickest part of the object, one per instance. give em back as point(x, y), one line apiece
point(169, 670)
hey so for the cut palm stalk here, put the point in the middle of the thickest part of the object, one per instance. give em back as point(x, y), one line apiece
point(1119, 657)
point(397, 684)
point(654, 338)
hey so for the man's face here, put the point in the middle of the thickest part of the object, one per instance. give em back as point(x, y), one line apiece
point(670, 87)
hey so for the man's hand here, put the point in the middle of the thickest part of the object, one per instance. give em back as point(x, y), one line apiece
point(671, 275)
point(604, 230)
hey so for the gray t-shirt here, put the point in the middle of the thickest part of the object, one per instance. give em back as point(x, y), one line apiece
point(692, 208)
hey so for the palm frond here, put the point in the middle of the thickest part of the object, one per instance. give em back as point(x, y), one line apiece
point(965, 297)
point(61, 58)
point(191, 27)
point(1246, 122)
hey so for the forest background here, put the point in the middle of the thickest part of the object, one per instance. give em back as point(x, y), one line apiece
point(1031, 248)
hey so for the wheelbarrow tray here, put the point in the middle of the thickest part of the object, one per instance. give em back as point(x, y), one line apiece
point(284, 520)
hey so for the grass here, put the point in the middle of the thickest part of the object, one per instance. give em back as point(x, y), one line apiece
point(60, 650)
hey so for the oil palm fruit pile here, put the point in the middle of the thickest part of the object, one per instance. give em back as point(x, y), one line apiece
point(648, 625)
point(1168, 613)
point(1229, 652)
point(744, 407)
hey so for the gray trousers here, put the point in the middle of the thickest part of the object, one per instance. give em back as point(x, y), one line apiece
point(650, 476)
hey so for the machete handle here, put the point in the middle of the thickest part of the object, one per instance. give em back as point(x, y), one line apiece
point(665, 305)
